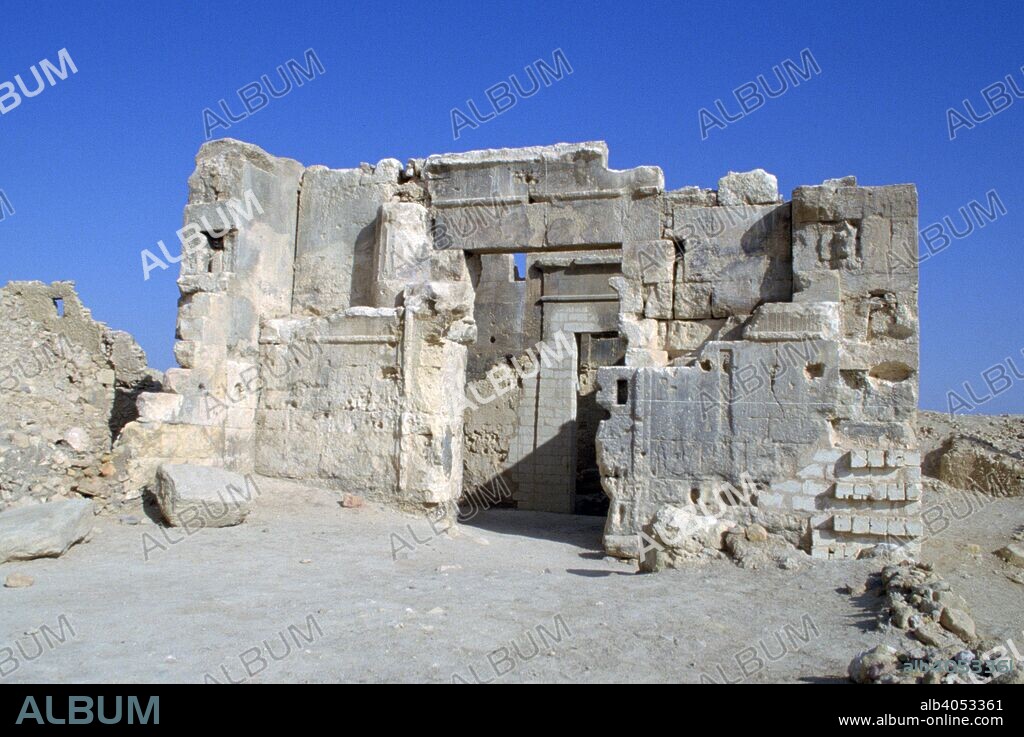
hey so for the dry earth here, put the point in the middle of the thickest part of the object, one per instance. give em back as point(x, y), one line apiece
point(513, 597)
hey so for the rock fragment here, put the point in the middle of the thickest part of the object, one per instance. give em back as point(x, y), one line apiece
point(873, 664)
point(959, 623)
point(756, 187)
point(203, 496)
point(44, 530)
point(1012, 554)
point(18, 581)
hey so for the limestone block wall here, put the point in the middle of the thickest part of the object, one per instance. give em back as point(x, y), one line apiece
point(236, 270)
point(575, 301)
point(366, 400)
point(438, 327)
point(736, 258)
point(288, 365)
point(346, 332)
point(678, 435)
point(334, 249)
point(506, 328)
point(528, 437)
point(568, 212)
point(855, 246)
point(330, 404)
point(561, 197)
point(788, 358)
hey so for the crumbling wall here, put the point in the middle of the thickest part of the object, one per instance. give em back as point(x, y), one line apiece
point(319, 337)
point(856, 246)
point(779, 386)
point(68, 385)
point(236, 270)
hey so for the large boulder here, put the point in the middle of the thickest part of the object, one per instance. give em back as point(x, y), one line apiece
point(194, 496)
point(44, 530)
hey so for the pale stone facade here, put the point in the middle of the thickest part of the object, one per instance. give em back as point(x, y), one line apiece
point(746, 359)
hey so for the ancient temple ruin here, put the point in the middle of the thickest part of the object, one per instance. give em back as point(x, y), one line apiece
point(678, 360)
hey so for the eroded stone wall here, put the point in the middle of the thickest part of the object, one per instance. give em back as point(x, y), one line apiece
point(319, 336)
point(68, 385)
point(780, 386)
point(236, 271)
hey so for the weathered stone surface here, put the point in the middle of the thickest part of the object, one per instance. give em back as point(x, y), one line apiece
point(404, 249)
point(44, 530)
point(335, 247)
point(734, 259)
point(682, 534)
point(68, 385)
point(756, 533)
point(794, 321)
point(973, 464)
point(756, 187)
point(872, 665)
point(203, 496)
point(758, 549)
point(687, 336)
point(372, 332)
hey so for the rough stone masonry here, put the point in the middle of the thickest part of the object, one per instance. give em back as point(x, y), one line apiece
point(68, 385)
point(690, 362)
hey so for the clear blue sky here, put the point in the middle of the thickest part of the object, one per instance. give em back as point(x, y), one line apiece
point(96, 166)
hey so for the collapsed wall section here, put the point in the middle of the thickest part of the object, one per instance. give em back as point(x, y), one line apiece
point(68, 385)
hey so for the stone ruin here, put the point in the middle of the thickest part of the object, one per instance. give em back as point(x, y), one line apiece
point(68, 385)
point(691, 363)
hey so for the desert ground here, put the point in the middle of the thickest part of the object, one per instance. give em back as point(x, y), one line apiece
point(307, 590)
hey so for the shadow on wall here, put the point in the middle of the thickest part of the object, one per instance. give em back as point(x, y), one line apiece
point(491, 505)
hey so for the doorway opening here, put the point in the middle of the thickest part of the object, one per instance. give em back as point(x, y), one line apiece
point(548, 320)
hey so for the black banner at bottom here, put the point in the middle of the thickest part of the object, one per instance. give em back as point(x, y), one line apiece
point(266, 707)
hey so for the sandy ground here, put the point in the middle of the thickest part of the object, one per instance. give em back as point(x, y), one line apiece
point(515, 596)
